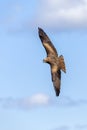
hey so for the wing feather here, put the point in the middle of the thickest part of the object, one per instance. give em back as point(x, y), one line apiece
point(56, 78)
point(49, 47)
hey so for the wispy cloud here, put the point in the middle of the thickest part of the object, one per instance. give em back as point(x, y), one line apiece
point(57, 15)
point(69, 102)
point(26, 103)
point(81, 127)
point(73, 127)
point(62, 128)
point(62, 14)
point(40, 100)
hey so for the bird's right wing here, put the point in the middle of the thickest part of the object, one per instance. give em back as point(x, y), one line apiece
point(49, 47)
point(56, 78)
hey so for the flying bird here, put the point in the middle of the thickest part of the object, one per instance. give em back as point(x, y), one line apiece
point(56, 62)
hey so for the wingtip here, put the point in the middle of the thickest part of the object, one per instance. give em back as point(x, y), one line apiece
point(40, 29)
point(57, 93)
point(43, 36)
point(41, 33)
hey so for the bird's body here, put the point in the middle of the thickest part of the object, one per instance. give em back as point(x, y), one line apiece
point(56, 62)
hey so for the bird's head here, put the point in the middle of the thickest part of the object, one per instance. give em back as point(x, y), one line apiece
point(47, 60)
point(44, 60)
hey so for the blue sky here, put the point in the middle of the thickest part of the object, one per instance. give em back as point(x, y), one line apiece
point(27, 96)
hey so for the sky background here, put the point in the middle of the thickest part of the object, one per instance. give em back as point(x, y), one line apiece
point(27, 96)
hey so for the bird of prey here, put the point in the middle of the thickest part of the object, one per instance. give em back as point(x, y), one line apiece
point(56, 62)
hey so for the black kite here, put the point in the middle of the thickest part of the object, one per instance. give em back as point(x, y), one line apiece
point(56, 62)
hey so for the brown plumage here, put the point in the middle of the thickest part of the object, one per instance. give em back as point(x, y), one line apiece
point(56, 62)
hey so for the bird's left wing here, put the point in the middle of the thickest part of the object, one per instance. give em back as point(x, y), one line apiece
point(56, 78)
point(49, 47)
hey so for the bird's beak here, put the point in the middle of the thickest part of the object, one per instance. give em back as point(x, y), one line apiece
point(44, 61)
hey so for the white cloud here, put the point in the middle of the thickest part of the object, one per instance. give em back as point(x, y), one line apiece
point(62, 14)
point(36, 100)
point(26, 103)
point(40, 100)
point(53, 14)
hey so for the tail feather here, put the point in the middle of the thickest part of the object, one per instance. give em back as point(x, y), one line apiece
point(62, 63)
